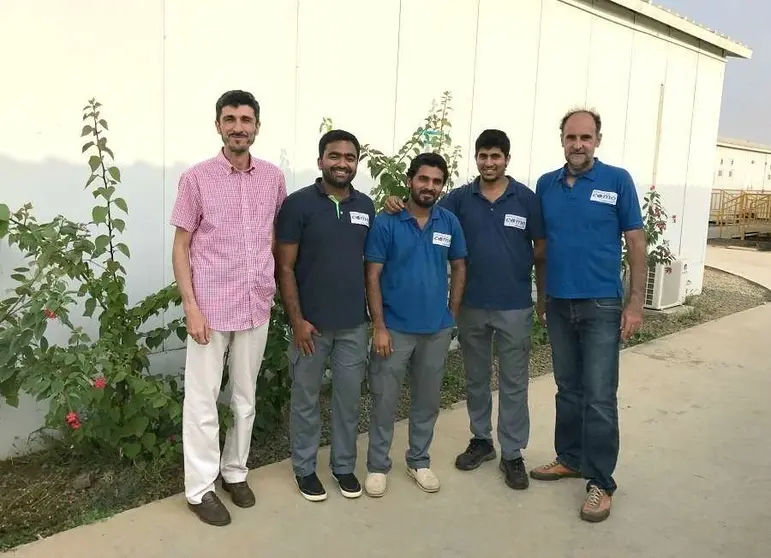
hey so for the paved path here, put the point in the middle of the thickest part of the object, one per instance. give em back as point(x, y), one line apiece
point(694, 478)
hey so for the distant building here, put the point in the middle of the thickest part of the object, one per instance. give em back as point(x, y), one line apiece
point(742, 165)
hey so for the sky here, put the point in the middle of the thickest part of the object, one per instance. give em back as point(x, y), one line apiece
point(746, 109)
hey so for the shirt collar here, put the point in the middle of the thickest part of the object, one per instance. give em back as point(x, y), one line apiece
point(510, 190)
point(226, 165)
point(590, 175)
point(405, 214)
point(352, 193)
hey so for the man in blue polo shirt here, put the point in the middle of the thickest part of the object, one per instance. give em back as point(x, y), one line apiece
point(407, 255)
point(587, 206)
point(502, 224)
point(321, 233)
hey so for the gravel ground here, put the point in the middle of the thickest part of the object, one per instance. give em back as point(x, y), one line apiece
point(38, 494)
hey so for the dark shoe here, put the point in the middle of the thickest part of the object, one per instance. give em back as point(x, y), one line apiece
point(240, 493)
point(554, 471)
point(477, 452)
point(311, 488)
point(211, 510)
point(515, 474)
point(349, 485)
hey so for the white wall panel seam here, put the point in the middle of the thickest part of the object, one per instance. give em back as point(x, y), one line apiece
point(166, 216)
point(396, 75)
point(628, 94)
point(535, 100)
point(688, 159)
point(296, 91)
point(471, 152)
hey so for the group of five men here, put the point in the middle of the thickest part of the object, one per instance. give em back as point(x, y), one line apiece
point(369, 293)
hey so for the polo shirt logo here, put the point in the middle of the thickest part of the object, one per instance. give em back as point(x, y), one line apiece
point(358, 218)
point(442, 239)
point(602, 196)
point(516, 221)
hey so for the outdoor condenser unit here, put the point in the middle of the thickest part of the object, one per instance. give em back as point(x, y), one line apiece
point(666, 290)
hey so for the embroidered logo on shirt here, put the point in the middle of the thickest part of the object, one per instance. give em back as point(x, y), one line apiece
point(359, 218)
point(602, 196)
point(442, 239)
point(515, 221)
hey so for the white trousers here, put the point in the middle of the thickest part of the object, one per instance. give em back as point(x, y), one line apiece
point(200, 421)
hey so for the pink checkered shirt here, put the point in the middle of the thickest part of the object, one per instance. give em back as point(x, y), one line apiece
point(231, 215)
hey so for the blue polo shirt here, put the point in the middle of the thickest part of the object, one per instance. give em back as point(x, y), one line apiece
point(500, 239)
point(584, 225)
point(413, 281)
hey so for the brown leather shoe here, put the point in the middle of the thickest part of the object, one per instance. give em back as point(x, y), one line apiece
point(597, 505)
point(211, 510)
point(240, 493)
point(554, 471)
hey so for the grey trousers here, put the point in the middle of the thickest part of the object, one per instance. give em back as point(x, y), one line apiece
point(425, 355)
point(511, 330)
point(347, 349)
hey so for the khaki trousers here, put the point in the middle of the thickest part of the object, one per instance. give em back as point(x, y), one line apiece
point(200, 422)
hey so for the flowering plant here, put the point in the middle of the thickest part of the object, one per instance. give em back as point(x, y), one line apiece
point(655, 219)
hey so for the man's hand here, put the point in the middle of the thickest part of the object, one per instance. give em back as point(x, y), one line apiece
point(196, 325)
point(631, 320)
point(382, 341)
point(303, 336)
point(540, 311)
point(393, 204)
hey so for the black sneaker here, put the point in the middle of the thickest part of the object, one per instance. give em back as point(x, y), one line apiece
point(515, 474)
point(477, 452)
point(311, 488)
point(349, 485)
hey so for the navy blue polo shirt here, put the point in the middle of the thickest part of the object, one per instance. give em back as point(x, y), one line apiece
point(500, 239)
point(413, 281)
point(330, 259)
point(584, 225)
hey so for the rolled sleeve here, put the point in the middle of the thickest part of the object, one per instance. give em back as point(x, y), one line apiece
point(458, 248)
point(628, 205)
point(187, 211)
point(378, 240)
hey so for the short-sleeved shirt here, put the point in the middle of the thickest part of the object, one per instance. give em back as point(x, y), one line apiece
point(413, 281)
point(584, 225)
point(231, 215)
point(330, 258)
point(500, 238)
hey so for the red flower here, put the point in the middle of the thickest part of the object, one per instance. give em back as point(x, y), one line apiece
point(72, 420)
point(674, 218)
point(100, 382)
point(653, 187)
point(50, 314)
point(668, 269)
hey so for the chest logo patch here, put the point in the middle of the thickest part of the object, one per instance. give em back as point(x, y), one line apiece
point(358, 218)
point(515, 221)
point(441, 239)
point(601, 196)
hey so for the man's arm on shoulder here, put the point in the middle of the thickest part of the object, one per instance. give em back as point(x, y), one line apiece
point(450, 200)
point(457, 256)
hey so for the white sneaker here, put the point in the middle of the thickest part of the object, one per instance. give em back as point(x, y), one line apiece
point(375, 484)
point(425, 479)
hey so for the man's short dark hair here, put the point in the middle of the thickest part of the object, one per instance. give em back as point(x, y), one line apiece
point(338, 135)
point(595, 116)
point(430, 160)
point(490, 139)
point(237, 98)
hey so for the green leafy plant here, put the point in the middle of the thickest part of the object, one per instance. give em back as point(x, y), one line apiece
point(433, 135)
point(101, 391)
point(655, 221)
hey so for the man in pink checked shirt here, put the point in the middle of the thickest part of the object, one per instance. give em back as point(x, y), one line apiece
point(223, 262)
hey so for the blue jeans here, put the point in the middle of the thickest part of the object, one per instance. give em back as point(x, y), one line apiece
point(585, 342)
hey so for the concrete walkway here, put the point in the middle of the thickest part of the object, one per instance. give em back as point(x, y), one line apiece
point(694, 477)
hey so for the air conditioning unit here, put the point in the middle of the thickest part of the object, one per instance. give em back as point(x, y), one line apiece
point(666, 285)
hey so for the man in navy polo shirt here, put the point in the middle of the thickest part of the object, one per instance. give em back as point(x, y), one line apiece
point(321, 233)
point(502, 224)
point(587, 206)
point(407, 255)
